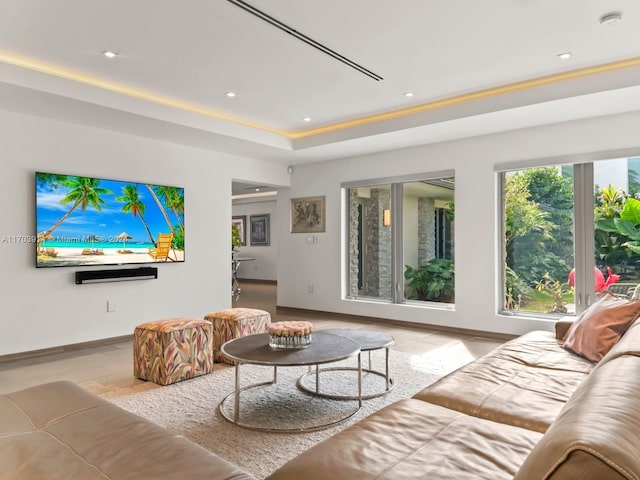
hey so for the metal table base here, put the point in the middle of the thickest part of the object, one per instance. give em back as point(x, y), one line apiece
point(230, 406)
point(389, 383)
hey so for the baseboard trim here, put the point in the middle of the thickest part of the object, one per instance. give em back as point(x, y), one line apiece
point(12, 357)
point(255, 280)
point(401, 323)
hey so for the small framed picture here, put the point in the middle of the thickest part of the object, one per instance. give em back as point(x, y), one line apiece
point(307, 215)
point(259, 229)
point(240, 222)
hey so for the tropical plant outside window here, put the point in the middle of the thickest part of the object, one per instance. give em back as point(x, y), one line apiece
point(538, 238)
point(539, 226)
point(400, 234)
point(428, 252)
point(617, 230)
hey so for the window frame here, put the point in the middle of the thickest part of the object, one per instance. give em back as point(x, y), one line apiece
point(583, 237)
point(397, 238)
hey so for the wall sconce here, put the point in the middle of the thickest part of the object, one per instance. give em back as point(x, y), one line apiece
point(386, 217)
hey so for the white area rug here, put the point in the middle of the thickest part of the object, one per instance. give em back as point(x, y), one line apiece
point(190, 408)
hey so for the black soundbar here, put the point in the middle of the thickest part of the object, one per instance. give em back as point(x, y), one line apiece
point(95, 276)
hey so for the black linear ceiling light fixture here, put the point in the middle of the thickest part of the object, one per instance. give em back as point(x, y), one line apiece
point(300, 36)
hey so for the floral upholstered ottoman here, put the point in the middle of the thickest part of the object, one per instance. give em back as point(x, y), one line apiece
point(234, 323)
point(167, 351)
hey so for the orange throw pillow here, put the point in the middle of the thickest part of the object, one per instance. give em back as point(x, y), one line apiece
point(600, 326)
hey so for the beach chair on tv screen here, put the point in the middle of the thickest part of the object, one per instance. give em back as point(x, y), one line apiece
point(162, 252)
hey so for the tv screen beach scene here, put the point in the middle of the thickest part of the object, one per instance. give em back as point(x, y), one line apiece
point(93, 221)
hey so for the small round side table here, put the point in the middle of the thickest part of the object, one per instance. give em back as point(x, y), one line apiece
point(369, 340)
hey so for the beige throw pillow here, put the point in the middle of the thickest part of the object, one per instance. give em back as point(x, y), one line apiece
point(600, 326)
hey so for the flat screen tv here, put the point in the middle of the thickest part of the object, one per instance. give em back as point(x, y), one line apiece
point(94, 221)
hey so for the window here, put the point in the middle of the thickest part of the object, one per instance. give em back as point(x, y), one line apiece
point(569, 231)
point(538, 247)
point(401, 240)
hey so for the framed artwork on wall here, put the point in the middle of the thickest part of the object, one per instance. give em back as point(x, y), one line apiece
point(240, 221)
point(259, 229)
point(308, 215)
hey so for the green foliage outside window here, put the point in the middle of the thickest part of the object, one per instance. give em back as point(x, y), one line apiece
point(433, 281)
point(539, 224)
point(618, 232)
point(538, 227)
point(559, 291)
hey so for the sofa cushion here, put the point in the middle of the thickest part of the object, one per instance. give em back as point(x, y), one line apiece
point(629, 344)
point(600, 326)
point(524, 382)
point(59, 431)
point(597, 433)
point(411, 439)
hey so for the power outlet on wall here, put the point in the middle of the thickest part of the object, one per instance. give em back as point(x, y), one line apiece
point(111, 306)
point(310, 288)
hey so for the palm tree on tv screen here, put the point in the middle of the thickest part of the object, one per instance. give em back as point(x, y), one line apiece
point(83, 192)
point(133, 205)
point(51, 180)
point(162, 209)
point(173, 198)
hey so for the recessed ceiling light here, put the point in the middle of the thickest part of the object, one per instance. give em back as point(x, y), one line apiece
point(564, 56)
point(408, 94)
point(230, 94)
point(109, 54)
point(307, 119)
point(611, 19)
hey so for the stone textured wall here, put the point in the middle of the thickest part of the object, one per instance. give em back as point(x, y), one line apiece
point(354, 250)
point(378, 240)
point(426, 230)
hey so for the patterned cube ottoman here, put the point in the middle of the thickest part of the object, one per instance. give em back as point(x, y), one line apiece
point(234, 323)
point(167, 351)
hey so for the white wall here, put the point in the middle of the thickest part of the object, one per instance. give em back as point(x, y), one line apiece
point(475, 161)
point(265, 265)
point(44, 308)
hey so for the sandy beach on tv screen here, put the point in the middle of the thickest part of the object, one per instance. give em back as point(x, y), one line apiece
point(61, 256)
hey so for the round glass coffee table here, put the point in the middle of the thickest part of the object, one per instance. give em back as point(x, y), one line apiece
point(255, 350)
point(369, 340)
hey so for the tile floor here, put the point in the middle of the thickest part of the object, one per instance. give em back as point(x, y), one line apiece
point(110, 367)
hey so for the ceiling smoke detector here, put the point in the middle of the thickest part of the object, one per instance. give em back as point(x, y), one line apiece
point(611, 19)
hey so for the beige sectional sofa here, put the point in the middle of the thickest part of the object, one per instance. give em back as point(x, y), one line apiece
point(528, 410)
point(58, 431)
